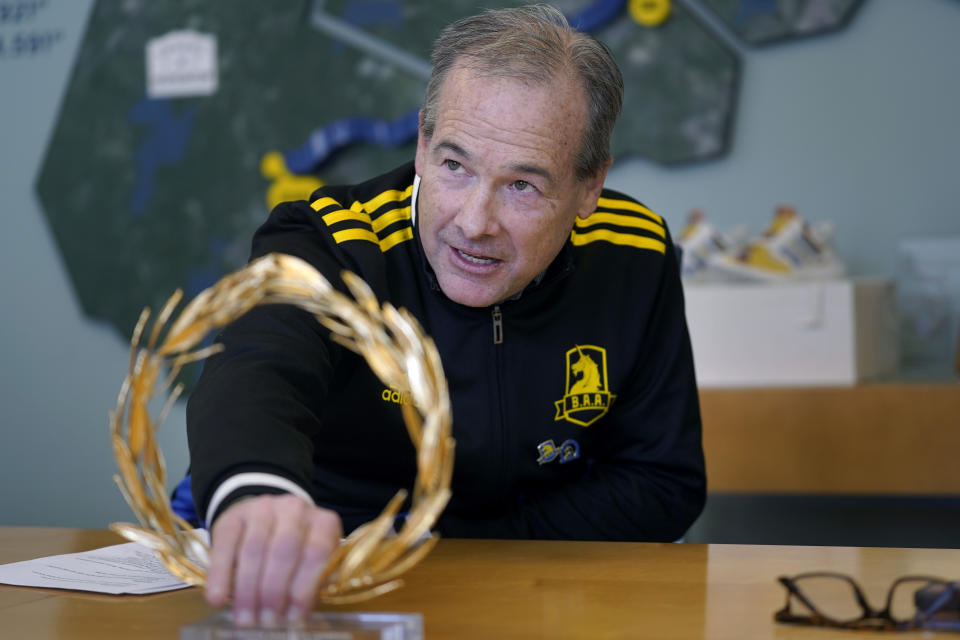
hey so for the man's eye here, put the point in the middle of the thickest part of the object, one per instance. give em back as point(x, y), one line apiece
point(453, 165)
point(522, 185)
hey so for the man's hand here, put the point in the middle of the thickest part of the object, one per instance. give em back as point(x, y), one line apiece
point(269, 551)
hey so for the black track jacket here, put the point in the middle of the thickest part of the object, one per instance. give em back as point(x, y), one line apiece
point(575, 407)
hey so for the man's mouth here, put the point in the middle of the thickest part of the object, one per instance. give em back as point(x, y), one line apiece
point(475, 259)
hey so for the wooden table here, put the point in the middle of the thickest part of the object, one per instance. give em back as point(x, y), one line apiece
point(509, 589)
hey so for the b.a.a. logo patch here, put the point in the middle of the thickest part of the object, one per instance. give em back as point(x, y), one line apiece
point(587, 396)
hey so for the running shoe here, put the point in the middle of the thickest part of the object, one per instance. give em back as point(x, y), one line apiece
point(790, 249)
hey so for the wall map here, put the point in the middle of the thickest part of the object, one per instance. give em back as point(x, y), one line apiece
point(161, 166)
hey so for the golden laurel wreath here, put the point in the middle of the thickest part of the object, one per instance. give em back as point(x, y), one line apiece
point(370, 560)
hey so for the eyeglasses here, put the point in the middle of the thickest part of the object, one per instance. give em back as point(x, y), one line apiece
point(827, 599)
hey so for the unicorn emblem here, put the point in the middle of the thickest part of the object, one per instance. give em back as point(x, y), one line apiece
point(588, 372)
point(587, 396)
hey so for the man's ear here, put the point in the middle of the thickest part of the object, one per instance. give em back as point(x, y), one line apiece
point(419, 161)
point(592, 187)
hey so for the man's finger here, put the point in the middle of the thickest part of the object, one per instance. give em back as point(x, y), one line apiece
point(282, 554)
point(258, 526)
point(322, 538)
point(226, 536)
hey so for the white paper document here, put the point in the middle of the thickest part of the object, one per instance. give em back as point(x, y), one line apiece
point(119, 569)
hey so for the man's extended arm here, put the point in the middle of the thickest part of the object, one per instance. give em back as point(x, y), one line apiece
point(250, 423)
point(268, 550)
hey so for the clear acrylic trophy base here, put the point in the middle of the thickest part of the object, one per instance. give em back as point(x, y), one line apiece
point(321, 625)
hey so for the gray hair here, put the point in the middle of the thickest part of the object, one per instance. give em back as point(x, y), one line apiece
point(533, 44)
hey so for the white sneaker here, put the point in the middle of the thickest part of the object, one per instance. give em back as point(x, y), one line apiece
point(700, 244)
point(790, 249)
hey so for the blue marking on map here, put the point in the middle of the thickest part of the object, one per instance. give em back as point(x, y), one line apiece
point(367, 12)
point(750, 8)
point(597, 15)
point(165, 144)
point(325, 140)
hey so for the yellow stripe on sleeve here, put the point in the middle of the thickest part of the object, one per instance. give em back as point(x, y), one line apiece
point(395, 238)
point(323, 203)
point(390, 217)
point(358, 212)
point(625, 239)
point(356, 234)
point(344, 214)
point(391, 195)
point(621, 220)
point(627, 205)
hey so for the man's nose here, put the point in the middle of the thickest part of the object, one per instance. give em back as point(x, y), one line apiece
point(477, 215)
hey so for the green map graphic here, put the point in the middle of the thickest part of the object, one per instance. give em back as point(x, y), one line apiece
point(145, 196)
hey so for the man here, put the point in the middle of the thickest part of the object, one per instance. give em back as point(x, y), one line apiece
point(556, 308)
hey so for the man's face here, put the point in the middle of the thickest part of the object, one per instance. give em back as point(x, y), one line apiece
point(498, 193)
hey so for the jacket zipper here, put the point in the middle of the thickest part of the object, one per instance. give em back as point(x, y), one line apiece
point(497, 325)
point(498, 360)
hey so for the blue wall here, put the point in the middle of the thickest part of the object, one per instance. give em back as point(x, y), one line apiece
point(860, 127)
